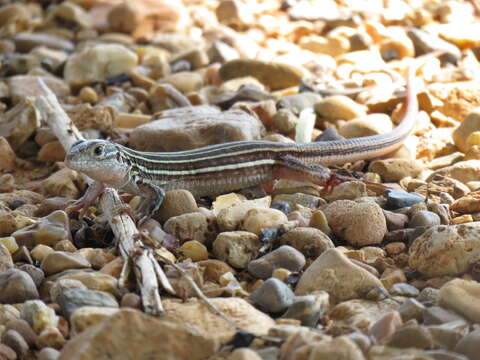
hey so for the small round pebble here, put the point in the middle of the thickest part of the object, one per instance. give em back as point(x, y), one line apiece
point(285, 257)
point(424, 218)
point(399, 199)
point(16, 341)
point(24, 329)
point(469, 345)
point(273, 296)
point(404, 289)
point(48, 353)
point(131, 300)
point(283, 206)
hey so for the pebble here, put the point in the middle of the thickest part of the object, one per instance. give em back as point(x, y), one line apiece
point(48, 353)
point(237, 248)
point(273, 296)
point(16, 286)
point(175, 203)
point(333, 46)
point(285, 257)
point(214, 269)
point(183, 81)
point(393, 170)
point(308, 308)
point(339, 107)
point(131, 300)
point(62, 285)
point(411, 309)
point(334, 273)
point(385, 327)
point(194, 250)
point(222, 52)
point(22, 86)
point(51, 152)
point(167, 132)
point(122, 335)
point(395, 248)
point(469, 125)
point(349, 190)
point(462, 297)
point(469, 345)
point(463, 171)
point(298, 198)
point(9, 243)
point(47, 231)
point(273, 75)
point(72, 299)
point(62, 183)
point(260, 218)
point(244, 354)
point(39, 315)
point(339, 347)
point(427, 42)
point(424, 218)
point(309, 241)
point(14, 340)
point(25, 42)
point(372, 124)
point(319, 221)
point(436, 315)
point(283, 206)
point(404, 289)
point(6, 261)
point(445, 250)
point(195, 313)
point(23, 328)
point(348, 221)
point(94, 280)
point(98, 62)
point(86, 316)
point(297, 102)
point(467, 204)
point(416, 336)
point(7, 352)
point(7, 162)
point(58, 261)
point(51, 337)
point(230, 217)
point(40, 251)
point(399, 199)
point(185, 227)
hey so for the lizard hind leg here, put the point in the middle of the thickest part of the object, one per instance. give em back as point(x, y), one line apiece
point(288, 167)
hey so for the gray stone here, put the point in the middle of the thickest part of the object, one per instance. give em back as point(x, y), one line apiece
point(404, 289)
point(469, 345)
point(285, 257)
point(424, 218)
point(428, 296)
point(16, 286)
point(71, 300)
point(273, 296)
point(411, 309)
point(399, 199)
point(438, 315)
point(412, 336)
point(308, 309)
point(14, 340)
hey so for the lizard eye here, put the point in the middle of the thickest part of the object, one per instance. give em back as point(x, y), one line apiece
point(98, 150)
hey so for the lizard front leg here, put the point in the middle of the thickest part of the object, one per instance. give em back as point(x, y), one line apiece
point(92, 193)
point(153, 196)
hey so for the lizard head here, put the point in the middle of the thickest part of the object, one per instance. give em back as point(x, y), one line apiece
point(98, 159)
